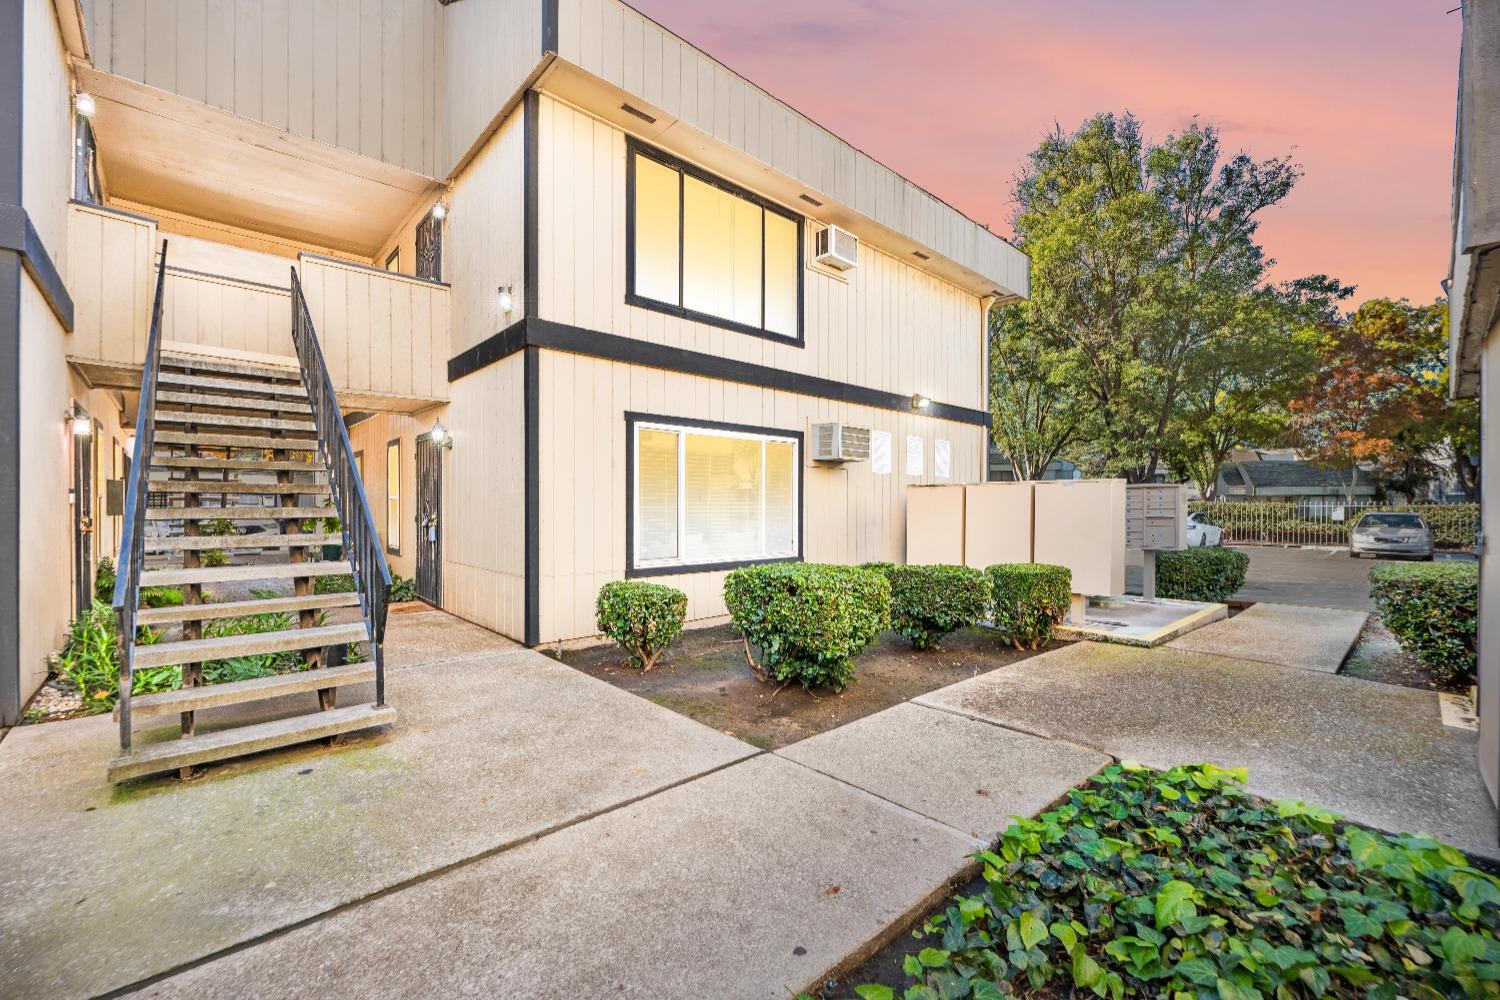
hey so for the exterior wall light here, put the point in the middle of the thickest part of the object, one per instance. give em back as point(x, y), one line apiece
point(507, 301)
point(919, 401)
point(439, 211)
point(440, 436)
point(84, 104)
point(81, 425)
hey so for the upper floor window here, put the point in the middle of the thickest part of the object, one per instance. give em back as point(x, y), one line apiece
point(701, 248)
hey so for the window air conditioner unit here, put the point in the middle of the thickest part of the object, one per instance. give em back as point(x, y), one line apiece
point(837, 248)
point(835, 442)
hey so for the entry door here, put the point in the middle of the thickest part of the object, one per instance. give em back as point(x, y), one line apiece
point(83, 512)
point(429, 521)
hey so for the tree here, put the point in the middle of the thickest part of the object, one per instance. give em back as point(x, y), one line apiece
point(1034, 412)
point(1380, 398)
point(1143, 256)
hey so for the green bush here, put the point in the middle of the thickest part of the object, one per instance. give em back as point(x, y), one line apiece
point(244, 668)
point(104, 581)
point(642, 617)
point(403, 588)
point(1028, 601)
point(161, 597)
point(337, 583)
point(1433, 611)
point(928, 602)
point(90, 661)
point(1202, 574)
point(216, 526)
point(879, 567)
point(1179, 884)
point(807, 620)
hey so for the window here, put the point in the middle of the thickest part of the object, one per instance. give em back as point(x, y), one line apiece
point(393, 262)
point(86, 186)
point(430, 248)
point(701, 248)
point(393, 497)
point(359, 467)
point(710, 495)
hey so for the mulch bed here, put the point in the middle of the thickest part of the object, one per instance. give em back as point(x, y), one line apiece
point(1377, 656)
point(703, 675)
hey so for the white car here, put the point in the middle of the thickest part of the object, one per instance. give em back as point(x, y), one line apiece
point(1202, 532)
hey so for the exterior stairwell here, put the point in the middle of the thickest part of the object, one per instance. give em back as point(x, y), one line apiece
point(264, 449)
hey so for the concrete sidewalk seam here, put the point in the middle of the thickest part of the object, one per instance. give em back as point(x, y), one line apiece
point(1010, 729)
point(414, 880)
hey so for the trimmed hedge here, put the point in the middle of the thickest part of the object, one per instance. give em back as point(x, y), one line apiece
point(1433, 611)
point(1029, 600)
point(1278, 522)
point(808, 620)
point(928, 602)
point(1211, 574)
point(642, 617)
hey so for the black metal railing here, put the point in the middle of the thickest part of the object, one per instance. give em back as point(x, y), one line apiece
point(362, 545)
point(127, 599)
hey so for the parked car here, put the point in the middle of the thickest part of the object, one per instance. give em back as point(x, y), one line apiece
point(1391, 534)
point(1202, 532)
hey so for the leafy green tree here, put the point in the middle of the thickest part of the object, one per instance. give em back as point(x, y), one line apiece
point(1035, 412)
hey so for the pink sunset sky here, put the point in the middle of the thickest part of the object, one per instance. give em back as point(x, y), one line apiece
point(954, 93)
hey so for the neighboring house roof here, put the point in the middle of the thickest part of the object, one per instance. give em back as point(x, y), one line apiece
point(1295, 478)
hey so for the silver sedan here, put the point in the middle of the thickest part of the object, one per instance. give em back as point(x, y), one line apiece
point(1391, 534)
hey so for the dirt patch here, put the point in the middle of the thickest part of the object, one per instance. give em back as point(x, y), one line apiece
point(1377, 656)
point(703, 675)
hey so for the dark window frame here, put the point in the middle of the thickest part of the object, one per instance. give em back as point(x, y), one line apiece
point(633, 418)
point(633, 148)
point(428, 240)
point(393, 549)
point(393, 256)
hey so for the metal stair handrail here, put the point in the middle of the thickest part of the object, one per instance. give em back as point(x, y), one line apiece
point(127, 596)
point(362, 545)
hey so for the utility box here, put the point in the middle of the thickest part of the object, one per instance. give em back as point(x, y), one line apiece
point(1155, 521)
point(997, 523)
point(934, 525)
point(1080, 524)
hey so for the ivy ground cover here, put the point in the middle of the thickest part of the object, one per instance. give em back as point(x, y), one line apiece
point(1181, 885)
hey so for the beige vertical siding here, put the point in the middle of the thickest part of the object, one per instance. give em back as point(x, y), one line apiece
point(628, 49)
point(488, 51)
point(370, 437)
point(47, 123)
point(216, 311)
point(352, 73)
point(850, 514)
point(109, 275)
point(884, 325)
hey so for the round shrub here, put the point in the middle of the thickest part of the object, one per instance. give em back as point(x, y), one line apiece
point(807, 620)
point(1433, 611)
point(928, 602)
point(1029, 600)
point(642, 617)
point(1200, 574)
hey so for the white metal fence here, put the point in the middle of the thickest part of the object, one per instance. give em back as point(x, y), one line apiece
point(1321, 521)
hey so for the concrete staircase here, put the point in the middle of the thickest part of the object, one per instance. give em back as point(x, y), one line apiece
point(236, 442)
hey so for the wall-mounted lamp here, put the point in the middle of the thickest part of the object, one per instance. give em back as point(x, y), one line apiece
point(84, 104)
point(127, 444)
point(440, 436)
point(439, 211)
point(507, 301)
point(80, 425)
point(919, 401)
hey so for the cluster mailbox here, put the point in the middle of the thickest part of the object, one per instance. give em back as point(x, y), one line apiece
point(1155, 521)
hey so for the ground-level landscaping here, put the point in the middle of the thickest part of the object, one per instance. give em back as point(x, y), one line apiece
point(704, 676)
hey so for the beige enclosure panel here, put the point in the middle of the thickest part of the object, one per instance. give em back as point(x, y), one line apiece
point(1080, 524)
point(111, 261)
point(884, 325)
point(850, 514)
point(351, 73)
point(629, 50)
point(997, 523)
point(214, 311)
point(934, 525)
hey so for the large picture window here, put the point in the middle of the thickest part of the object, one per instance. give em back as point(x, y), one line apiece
point(704, 249)
point(711, 495)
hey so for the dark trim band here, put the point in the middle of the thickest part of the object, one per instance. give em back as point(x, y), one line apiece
point(631, 419)
point(12, 107)
point(17, 234)
point(549, 26)
point(531, 370)
point(613, 347)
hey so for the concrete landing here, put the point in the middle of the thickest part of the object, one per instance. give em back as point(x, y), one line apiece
point(1377, 753)
point(1288, 635)
point(747, 883)
point(1137, 621)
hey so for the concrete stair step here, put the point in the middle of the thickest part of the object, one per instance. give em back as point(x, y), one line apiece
point(267, 422)
point(224, 743)
point(231, 402)
point(203, 440)
point(179, 487)
point(259, 540)
point(191, 699)
point(231, 366)
point(235, 465)
point(166, 654)
point(262, 387)
point(244, 513)
point(236, 609)
point(179, 576)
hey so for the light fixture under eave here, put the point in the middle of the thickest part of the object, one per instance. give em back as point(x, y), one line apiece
point(81, 425)
point(919, 401)
point(507, 300)
point(439, 211)
point(84, 104)
point(439, 435)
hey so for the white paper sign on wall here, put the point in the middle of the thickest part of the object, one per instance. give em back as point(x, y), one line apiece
point(880, 452)
point(942, 459)
point(915, 460)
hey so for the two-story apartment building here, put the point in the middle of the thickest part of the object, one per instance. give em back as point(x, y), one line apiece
point(563, 266)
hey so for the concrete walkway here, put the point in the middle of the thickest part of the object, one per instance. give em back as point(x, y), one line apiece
point(1288, 635)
